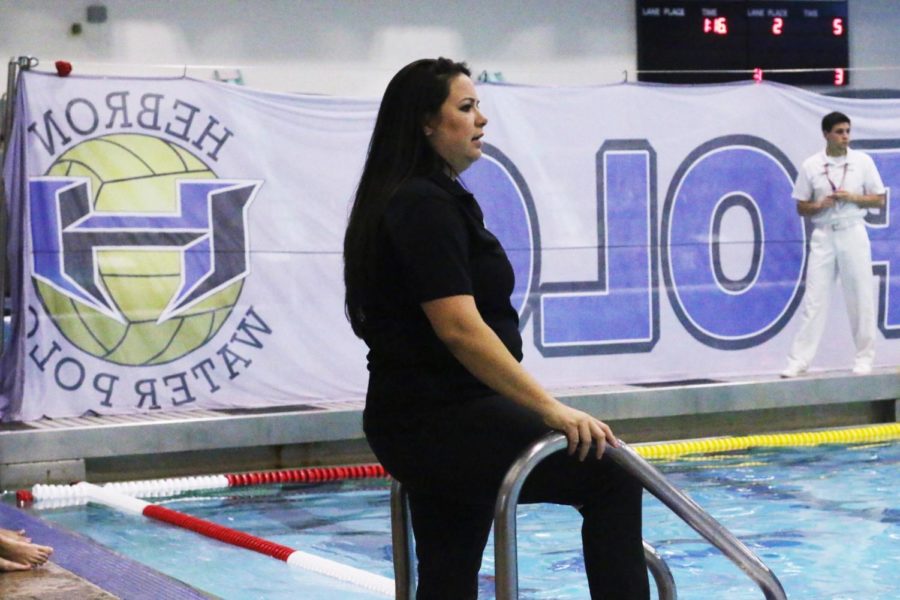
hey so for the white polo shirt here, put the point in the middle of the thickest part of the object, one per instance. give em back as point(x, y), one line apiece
point(822, 175)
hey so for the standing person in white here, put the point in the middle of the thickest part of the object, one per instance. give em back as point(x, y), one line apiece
point(834, 189)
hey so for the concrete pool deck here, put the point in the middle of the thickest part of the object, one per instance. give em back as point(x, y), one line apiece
point(80, 568)
point(193, 442)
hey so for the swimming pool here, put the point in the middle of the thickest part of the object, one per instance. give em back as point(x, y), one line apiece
point(826, 519)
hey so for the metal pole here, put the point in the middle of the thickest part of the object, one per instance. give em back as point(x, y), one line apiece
point(701, 521)
point(665, 582)
point(402, 544)
point(11, 73)
point(505, 517)
point(506, 557)
point(404, 562)
point(505, 544)
point(22, 63)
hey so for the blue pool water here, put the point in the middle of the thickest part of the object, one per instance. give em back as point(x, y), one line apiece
point(826, 520)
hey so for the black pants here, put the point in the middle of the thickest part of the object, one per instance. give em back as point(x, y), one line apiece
point(452, 465)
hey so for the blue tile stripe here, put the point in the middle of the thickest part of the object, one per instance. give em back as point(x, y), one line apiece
point(104, 568)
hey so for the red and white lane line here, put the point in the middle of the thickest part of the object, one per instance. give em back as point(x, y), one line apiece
point(119, 501)
point(57, 496)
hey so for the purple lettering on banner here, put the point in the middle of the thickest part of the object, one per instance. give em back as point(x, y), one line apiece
point(619, 312)
point(741, 173)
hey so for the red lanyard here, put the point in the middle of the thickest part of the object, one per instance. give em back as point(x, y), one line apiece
point(834, 187)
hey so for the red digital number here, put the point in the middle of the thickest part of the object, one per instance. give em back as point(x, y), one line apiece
point(757, 75)
point(839, 78)
point(777, 26)
point(721, 26)
point(717, 26)
point(837, 26)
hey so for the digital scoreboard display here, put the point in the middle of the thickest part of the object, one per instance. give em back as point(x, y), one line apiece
point(777, 41)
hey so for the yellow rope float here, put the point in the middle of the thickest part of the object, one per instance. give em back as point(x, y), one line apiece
point(850, 435)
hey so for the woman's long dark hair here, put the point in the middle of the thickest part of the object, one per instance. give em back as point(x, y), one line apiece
point(398, 151)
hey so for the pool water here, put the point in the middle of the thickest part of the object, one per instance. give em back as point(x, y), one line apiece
point(826, 520)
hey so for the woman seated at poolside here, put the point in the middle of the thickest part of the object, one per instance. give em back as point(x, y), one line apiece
point(449, 407)
point(19, 553)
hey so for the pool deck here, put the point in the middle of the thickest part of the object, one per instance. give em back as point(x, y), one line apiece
point(194, 442)
point(80, 568)
point(49, 582)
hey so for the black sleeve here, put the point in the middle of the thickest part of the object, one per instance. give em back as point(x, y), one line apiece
point(430, 241)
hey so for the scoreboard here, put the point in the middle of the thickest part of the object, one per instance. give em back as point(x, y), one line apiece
point(731, 40)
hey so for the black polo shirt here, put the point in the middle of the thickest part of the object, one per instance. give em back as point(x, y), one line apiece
point(432, 244)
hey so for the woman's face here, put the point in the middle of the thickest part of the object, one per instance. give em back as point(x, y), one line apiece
point(455, 132)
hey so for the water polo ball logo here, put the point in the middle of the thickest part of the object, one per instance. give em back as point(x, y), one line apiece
point(140, 251)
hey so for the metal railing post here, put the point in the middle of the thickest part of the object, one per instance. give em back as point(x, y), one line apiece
point(665, 582)
point(506, 559)
point(11, 71)
point(700, 521)
point(404, 559)
point(5, 129)
point(402, 544)
point(704, 524)
point(15, 64)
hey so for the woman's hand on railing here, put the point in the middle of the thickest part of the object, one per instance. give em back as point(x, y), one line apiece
point(581, 429)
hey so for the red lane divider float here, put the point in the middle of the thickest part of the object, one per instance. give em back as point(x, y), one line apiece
point(55, 496)
point(306, 475)
point(218, 532)
point(124, 496)
point(113, 499)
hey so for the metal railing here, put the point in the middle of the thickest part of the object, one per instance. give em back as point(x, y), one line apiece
point(402, 544)
point(22, 63)
point(404, 560)
point(505, 552)
point(16, 64)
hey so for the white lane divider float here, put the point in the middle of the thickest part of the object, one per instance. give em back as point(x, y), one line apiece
point(128, 504)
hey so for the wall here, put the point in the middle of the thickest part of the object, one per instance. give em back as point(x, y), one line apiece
point(352, 47)
point(348, 47)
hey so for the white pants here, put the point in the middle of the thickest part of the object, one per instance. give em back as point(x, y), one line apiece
point(843, 252)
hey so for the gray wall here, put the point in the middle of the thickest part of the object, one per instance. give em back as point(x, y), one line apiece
point(352, 47)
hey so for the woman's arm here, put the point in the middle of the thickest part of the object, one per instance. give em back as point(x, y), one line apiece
point(458, 324)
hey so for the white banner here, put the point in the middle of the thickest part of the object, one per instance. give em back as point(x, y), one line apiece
point(178, 242)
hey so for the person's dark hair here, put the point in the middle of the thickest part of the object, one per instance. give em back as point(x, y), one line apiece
point(398, 151)
point(832, 119)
